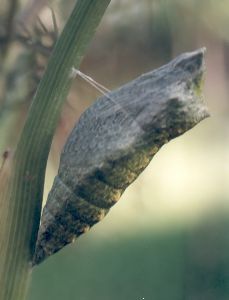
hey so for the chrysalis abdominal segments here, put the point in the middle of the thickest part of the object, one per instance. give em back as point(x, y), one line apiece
point(112, 144)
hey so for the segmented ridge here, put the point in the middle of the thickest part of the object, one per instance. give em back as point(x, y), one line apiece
point(65, 217)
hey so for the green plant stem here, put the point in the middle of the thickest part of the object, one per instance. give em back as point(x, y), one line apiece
point(20, 201)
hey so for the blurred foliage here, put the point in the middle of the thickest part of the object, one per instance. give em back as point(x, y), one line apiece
point(143, 267)
point(191, 263)
point(167, 238)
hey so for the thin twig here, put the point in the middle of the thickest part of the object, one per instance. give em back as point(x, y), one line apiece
point(9, 24)
point(31, 11)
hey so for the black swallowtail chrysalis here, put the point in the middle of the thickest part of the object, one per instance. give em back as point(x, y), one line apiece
point(112, 144)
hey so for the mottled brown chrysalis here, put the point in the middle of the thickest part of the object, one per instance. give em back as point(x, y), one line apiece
point(112, 144)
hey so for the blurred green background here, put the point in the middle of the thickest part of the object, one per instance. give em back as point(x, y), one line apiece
point(167, 238)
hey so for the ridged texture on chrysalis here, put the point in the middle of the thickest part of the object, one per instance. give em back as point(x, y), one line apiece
point(113, 142)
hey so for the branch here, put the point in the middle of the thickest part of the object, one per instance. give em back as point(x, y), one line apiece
point(113, 143)
point(9, 26)
point(20, 200)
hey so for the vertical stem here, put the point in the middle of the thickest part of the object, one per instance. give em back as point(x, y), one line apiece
point(21, 197)
point(9, 24)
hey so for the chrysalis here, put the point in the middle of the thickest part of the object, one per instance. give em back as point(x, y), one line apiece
point(112, 144)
